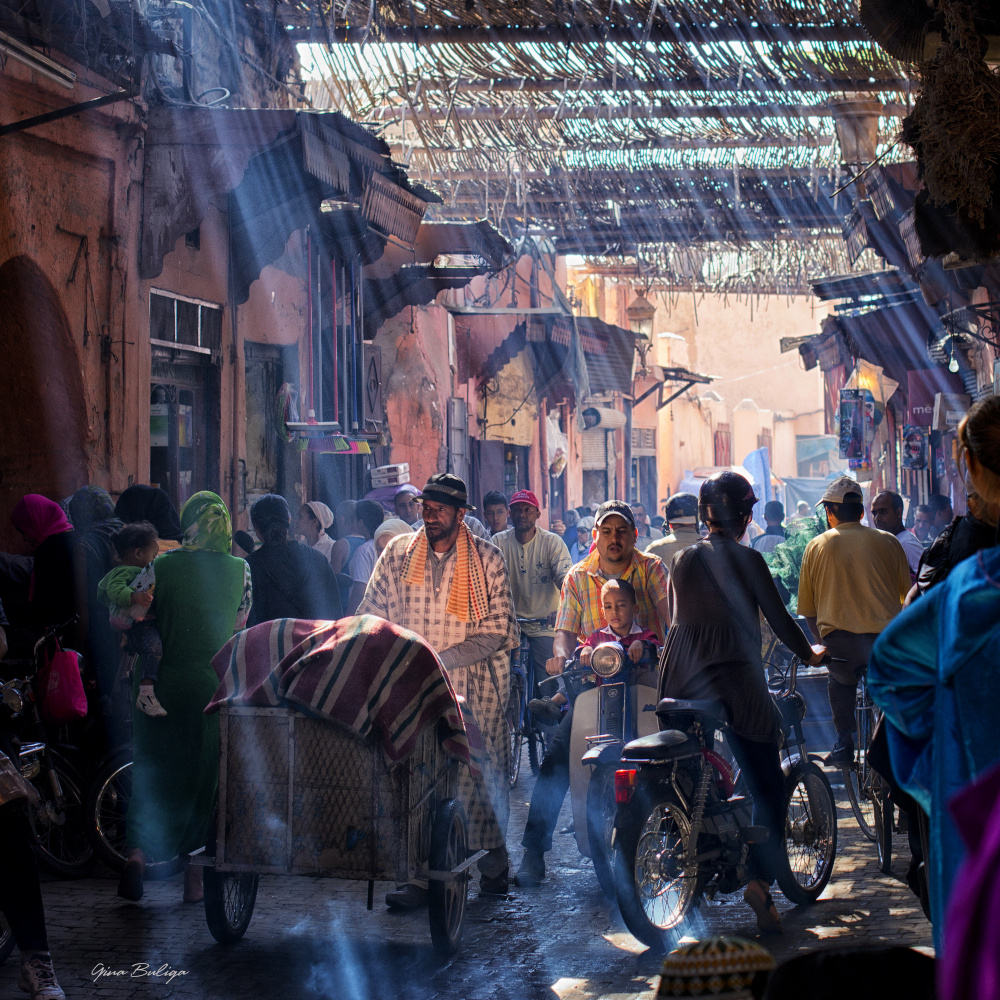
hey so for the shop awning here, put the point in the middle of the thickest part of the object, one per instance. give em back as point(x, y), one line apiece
point(443, 255)
point(282, 171)
point(608, 353)
point(895, 338)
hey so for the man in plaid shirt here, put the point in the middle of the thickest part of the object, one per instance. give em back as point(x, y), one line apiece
point(580, 614)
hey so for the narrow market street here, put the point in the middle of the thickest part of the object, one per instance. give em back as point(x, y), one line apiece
point(313, 937)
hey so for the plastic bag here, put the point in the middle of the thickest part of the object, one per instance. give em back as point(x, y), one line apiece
point(60, 689)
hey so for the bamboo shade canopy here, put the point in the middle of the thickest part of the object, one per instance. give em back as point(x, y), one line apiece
point(618, 130)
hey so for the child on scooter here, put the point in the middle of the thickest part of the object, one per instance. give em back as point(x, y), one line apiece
point(620, 607)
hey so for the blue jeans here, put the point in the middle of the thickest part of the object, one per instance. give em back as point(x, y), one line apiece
point(550, 790)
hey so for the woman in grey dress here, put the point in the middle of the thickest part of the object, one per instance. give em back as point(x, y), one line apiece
point(719, 588)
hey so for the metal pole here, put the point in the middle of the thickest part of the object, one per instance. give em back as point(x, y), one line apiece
point(354, 351)
point(73, 109)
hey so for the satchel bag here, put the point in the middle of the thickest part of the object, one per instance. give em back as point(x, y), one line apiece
point(60, 688)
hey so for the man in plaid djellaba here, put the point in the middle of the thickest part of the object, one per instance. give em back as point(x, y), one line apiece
point(453, 588)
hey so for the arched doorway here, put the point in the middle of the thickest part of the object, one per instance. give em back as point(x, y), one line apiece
point(43, 417)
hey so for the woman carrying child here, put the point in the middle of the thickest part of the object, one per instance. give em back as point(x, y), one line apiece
point(137, 546)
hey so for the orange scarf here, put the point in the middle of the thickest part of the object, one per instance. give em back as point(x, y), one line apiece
point(468, 599)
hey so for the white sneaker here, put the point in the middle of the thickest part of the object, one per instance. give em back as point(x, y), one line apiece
point(148, 702)
point(39, 979)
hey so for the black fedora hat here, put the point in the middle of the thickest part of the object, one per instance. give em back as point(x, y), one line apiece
point(445, 488)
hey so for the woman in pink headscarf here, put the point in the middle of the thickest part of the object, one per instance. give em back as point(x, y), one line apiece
point(58, 575)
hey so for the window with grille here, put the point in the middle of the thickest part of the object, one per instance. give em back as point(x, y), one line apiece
point(765, 440)
point(723, 445)
point(188, 324)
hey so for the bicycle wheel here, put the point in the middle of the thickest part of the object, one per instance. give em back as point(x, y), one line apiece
point(810, 835)
point(882, 812)
point(536, 749)
point(105, 816)
point(516, 745)
point(857, 779)
point(229, 903)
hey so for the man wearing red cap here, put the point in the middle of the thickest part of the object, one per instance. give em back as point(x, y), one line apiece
point(537, 560)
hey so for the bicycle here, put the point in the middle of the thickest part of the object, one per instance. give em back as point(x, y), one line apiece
point(868, 792)
point(523, 728)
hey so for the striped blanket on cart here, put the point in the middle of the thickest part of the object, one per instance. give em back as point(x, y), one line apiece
point(362, 672)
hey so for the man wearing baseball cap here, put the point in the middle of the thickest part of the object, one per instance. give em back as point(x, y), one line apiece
point(852, 584)
point(682, 518)
point(537, 561)
point(615, 557)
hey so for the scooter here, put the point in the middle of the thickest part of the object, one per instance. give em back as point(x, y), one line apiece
point(614, 703)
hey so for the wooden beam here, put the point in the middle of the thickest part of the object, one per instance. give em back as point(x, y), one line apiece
point(596, 34)
point(624, 175)
point(662, 142)
point(609, 112)
point(748, 83)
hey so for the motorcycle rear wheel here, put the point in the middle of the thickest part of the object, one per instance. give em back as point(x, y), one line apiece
point(61, 845)
point(654, 894)
point(600, 824)
point(6, 939)
point(810, 846)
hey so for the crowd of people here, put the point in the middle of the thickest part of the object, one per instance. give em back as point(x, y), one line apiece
point(919, 609)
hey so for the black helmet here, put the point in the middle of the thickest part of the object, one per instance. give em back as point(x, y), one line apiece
point(726, 496)
point(682, 505)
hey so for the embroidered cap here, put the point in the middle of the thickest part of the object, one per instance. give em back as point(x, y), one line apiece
point(525, 496)
point(445, 488)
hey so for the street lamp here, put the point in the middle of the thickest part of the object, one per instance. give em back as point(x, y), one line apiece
point(640, 317)
point(640, 320)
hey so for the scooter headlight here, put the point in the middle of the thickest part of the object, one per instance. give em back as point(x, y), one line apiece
point(607, 659)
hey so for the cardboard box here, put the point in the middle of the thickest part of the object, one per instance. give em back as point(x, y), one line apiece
point(949, 408)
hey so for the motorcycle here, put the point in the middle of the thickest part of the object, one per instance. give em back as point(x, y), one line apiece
point(683, 825)
point(55, 769)
point(613, 703)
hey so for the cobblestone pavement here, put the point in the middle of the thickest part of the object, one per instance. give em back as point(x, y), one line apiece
point(314, 938)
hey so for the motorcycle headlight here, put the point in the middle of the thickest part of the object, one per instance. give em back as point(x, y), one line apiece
point(607, 659)
point(13, 699)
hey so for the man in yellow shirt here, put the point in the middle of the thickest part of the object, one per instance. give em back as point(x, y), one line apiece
point(852, 584)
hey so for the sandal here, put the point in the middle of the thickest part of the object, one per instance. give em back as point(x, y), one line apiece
point(758, 898)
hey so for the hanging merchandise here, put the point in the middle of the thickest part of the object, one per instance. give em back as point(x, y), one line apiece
point(557, 445)
point(853, 437)
point(915, 439)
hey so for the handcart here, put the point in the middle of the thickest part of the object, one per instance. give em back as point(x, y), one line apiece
point(302, 796)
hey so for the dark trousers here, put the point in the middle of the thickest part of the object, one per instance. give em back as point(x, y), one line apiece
point(852, 651)
point(541, 650)
point(20, 893)
point(761, 768)
point(550, 790)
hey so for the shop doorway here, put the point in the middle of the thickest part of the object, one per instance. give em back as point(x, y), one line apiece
point(184, 430)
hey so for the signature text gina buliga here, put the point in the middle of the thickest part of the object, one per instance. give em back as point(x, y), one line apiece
point(137, 970)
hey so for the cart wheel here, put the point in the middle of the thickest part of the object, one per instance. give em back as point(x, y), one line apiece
point(229, 901)
point(449, 848)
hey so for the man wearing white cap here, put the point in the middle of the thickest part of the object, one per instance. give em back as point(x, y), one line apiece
point(853, 582)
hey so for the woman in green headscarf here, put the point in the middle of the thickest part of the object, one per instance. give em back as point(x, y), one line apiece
point(202, 596)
